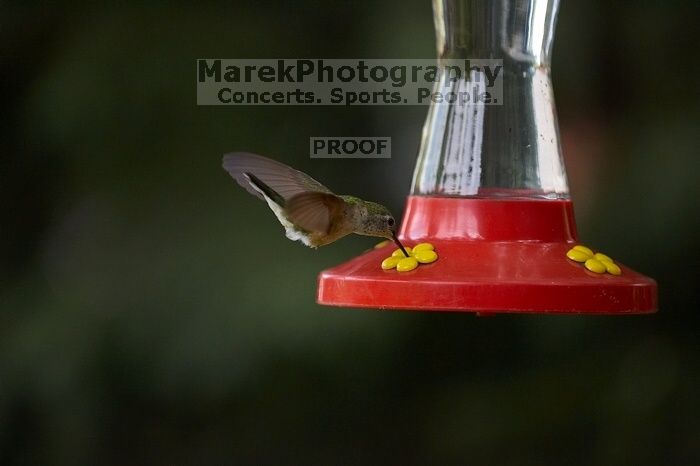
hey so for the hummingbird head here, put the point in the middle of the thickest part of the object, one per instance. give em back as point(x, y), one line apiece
point(376, 220)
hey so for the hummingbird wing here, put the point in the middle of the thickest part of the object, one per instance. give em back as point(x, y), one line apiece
point(314, 211)
point(284, 180)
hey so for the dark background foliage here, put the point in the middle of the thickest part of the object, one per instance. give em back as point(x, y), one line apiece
point(151, 312)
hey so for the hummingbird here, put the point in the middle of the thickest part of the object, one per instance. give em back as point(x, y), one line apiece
point(309, 211)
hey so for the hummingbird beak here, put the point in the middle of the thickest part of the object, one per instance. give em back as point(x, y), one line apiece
point(398, 243)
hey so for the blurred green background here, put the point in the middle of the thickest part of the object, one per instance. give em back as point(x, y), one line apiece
point(151, 312)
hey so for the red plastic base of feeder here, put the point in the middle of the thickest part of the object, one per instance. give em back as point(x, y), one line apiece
point(494, 256)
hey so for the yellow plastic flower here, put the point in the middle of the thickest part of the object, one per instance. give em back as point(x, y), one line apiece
point(594, 261)
point(422, 253)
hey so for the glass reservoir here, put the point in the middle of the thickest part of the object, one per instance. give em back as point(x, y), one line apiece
point(489, 188)
point(509, 148)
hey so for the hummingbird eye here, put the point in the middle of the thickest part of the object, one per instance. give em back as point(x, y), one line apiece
point(390, 222)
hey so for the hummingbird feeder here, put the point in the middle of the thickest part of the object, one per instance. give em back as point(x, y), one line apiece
point(490, 190)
